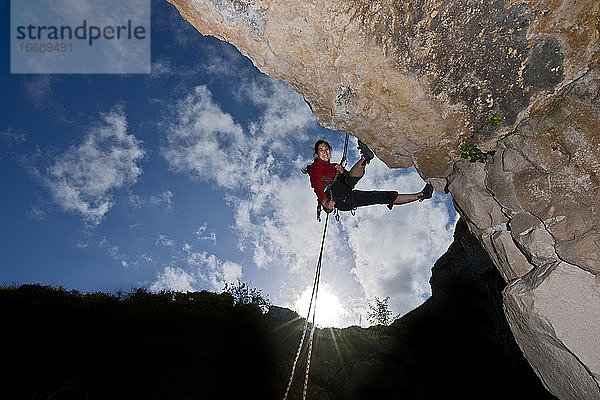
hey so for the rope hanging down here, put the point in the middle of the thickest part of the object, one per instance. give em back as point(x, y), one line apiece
point(305, 329)
point(313, 297)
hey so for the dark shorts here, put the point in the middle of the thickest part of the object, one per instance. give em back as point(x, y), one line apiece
point(346, 198)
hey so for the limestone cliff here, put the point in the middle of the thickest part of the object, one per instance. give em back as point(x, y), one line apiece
point(416, 80)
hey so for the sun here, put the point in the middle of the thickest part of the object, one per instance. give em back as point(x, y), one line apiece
point(329, 308)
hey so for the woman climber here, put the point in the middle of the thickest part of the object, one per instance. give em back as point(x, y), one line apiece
point(334, 185)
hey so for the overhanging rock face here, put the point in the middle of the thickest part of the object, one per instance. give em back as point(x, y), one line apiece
point(416, 80)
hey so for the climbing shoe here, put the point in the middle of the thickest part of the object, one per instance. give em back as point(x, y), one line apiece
point(427, 192)
point(365, 152)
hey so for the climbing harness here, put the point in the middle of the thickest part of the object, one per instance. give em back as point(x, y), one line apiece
point(327, 189)
point(314, 295)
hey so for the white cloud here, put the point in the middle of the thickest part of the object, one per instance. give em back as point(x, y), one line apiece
point(232, 272)
point(162, 199)
point(38, 89)
point(36, 213)
point(210, 269)
point(285, 112)
point(219, 61)
point(289, 235)
point(136, 200)
point(208, 144)
point(175, 279)
point(84, 178)
point(113, 250)
point(164, 68)
point(203, 234)
point(161, 68)
point(205, 141)
point(115, 253)
point(11, 136)
point(165, 198)
point(40, 92)
point(164, 241)
point(197, 270)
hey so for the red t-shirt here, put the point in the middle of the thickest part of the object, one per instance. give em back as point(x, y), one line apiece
point(321, 174)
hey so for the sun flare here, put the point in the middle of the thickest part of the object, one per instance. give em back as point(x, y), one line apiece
point(329, 308)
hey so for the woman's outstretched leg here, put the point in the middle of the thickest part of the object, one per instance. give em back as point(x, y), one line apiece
point(358, 170)
point(407, 198)
point(426, 193)
point(366, 155)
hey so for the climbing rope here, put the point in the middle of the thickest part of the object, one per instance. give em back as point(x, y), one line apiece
point(313, 298)
point(310, 339)
point(344, 161)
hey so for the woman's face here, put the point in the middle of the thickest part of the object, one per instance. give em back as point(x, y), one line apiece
point(324, 152)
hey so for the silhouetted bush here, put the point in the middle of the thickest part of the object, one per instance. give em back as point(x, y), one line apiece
point(244, 295)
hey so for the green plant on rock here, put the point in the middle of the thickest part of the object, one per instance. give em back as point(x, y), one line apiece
point(473, 153)
point(495, 120)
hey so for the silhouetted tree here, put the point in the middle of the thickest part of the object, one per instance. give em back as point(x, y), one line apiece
point(379, 312)
point(244, 295)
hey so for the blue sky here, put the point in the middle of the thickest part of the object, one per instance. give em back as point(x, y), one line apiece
point(189, 177)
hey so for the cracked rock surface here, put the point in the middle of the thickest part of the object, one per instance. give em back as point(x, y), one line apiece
point(415, 81)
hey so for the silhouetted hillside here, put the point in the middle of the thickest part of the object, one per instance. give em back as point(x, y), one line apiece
point(65, 345)
point(136, 346)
